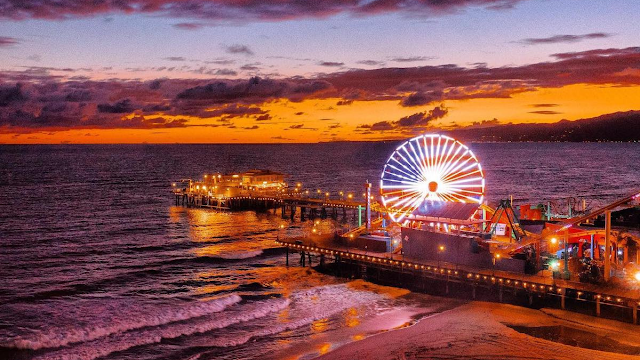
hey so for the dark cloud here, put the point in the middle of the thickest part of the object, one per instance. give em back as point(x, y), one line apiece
point(175, 58)
point(422, 118)
point(238, 49)
point(11, 95)
point(216, 11)
point(235, 110)
point(330, 63)
point(297, 126)
point(418, 120)
point(121, 107)
point(544, 105)
point(226, 72)
point(254, 127)
point(545, 112)
point(250, 67)
point(344, 102)
point(411, 59)
point(254, 90)
point(564, 38)
point(371, 62)
point(422, 98)
point(78, 96)
point(220, 61)
point(6, 41)
point(280, 138)
point(188, 26)
point(378, 126)
point(598, 53)
point(27, 122)
point(263, 117)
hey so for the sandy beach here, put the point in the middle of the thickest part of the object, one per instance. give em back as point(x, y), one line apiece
point(480, 330)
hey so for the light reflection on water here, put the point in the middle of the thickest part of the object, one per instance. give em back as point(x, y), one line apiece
point(84, 248)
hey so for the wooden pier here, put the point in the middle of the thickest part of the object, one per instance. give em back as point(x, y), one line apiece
point(290, 207)
point(482, 284)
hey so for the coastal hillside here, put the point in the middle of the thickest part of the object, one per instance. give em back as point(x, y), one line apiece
point(620, 126)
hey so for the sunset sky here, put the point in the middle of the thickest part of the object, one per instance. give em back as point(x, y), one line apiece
point(198, 71)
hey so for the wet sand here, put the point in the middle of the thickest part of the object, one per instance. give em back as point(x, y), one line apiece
point(480, 330)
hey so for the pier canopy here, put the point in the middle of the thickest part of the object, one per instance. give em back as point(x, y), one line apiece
point(432, 175)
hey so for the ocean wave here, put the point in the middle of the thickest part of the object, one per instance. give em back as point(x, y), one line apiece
point(128, 319)
point(151, 335)
point(306, 307)
point(241, 255)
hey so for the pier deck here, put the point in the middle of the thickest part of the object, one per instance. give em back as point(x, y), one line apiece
point(623, 303)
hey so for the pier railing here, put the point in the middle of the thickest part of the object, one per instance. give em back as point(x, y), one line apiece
point(496, 281)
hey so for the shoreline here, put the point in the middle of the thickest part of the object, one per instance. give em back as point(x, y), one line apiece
point(483, 330)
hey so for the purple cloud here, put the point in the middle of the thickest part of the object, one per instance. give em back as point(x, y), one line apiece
point(564, 38)
point(6, 41)
point(236, 10)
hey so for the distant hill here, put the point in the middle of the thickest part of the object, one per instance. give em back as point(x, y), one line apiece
point(620, 126)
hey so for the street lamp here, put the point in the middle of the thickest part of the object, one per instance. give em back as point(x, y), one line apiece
point(281, 227)
point(495, 259)
point(441, 249)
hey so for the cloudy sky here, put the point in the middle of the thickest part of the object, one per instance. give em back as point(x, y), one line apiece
point(94, 71)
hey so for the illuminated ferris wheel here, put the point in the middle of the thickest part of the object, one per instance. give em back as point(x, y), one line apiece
point(430, 167)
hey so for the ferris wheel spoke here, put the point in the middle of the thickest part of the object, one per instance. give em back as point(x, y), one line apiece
point(427, 154)
point(414, 177)
point(421, 159)
point(408, 165)
point(447, 149)
point(462, 175)
point(453, 160)
point(408, 169)
point(457, 168)
point(413, 159)
point(422, 156)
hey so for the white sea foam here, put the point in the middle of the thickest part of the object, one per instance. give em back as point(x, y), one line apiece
point(306, 307)
point(150, 335)
point(120, 320)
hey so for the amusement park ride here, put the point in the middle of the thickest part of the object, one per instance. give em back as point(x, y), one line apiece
point(433, 187)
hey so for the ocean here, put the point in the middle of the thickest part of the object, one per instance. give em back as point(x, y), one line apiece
point(97, 262)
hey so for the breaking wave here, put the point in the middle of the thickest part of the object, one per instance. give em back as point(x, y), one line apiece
point(241, 255)
point(150, 335)
point(306, 307)
point(128, 319)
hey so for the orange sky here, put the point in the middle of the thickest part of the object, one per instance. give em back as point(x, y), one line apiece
point(319, 115)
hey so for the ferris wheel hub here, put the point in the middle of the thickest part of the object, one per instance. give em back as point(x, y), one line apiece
point(433, 186)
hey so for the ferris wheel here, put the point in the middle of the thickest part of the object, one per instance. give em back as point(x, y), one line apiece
point(430, 167)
